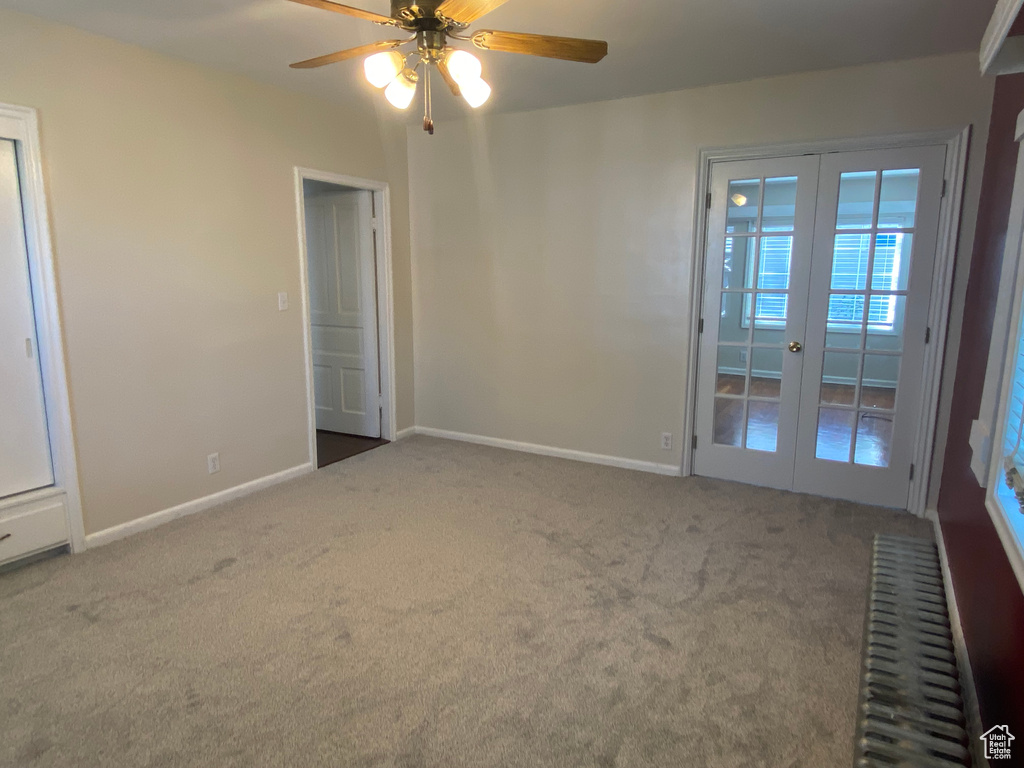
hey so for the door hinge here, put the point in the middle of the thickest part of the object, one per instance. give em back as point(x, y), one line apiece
point(911, 471)
point(373, 223)
point(700, 325)
point(695, 442)
point(709, 200)
point(927, 335)
point(943, 188)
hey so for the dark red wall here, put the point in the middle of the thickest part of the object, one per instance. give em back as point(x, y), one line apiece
point(989, 598)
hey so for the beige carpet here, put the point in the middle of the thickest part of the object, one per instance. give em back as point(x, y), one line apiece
point(432, 603)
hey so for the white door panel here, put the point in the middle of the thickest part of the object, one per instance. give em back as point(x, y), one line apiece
point(24, 442)
point(342, 288)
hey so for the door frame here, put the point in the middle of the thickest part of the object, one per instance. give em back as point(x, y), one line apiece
point(957, 143)
point(21, 124)
point(385, 297)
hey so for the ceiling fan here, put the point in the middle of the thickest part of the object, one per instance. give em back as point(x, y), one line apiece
point(432, 23)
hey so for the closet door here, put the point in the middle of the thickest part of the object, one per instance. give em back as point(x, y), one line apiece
point(24, 443)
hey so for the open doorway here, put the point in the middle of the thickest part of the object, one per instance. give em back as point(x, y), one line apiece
point(348, 332)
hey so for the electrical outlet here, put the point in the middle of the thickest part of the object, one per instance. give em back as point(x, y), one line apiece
point(666, 441)
point(743, 355)
point(213, 463)
point(282, 301)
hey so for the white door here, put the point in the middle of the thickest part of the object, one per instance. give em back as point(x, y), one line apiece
point(343, 306)
point(815, 321)
point(760, 231)
point(874, 253)
point(24, 442)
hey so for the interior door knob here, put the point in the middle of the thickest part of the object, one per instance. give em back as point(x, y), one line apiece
point(795, 346)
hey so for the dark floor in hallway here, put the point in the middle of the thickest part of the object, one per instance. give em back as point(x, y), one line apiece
point(332, 447)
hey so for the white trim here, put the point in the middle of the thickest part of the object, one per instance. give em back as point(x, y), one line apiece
point(385, 298)
point(404, 433)
point(992, 42)
point(559, 453)
point(968, 690)
point(957, 142)
point(22, 125)
point(156, 519)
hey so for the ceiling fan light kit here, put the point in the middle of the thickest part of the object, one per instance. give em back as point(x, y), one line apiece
point(432, 23)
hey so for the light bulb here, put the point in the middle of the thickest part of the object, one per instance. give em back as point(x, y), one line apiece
point(402, 89)
point(475, 92)
point(382, 68)
point(464, 66)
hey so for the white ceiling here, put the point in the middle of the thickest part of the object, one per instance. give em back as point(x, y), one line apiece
point(655, 45)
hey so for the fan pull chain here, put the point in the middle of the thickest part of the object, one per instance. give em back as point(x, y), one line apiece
point(428, 118)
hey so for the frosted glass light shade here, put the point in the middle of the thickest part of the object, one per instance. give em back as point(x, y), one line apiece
point(475, 92)
point(464, 66)
point(401, 90)
point(382, 68)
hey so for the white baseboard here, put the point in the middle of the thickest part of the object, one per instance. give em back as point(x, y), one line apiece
point(124, 530)
point(404, 433)
point(967, 689)
point(560, 453)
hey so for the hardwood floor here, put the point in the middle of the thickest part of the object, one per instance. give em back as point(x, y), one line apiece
point(836, 426)
point(332, 447)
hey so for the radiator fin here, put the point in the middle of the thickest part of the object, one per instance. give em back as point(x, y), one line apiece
point(910, 713)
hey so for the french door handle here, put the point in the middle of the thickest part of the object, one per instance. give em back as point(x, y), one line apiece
point(795, 346)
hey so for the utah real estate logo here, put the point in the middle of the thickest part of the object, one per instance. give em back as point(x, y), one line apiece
point(997, 742)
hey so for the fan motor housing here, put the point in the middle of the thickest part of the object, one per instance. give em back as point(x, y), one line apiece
point(408, 10)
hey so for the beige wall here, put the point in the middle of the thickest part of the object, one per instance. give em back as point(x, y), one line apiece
point(551, 256)
point(172, 208)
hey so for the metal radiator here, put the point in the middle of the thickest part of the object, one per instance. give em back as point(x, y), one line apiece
point(910, 711)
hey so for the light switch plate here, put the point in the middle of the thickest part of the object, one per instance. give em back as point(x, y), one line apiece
point(282, 301)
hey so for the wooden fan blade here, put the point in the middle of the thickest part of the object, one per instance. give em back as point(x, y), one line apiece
point(348, 11)
point(567, 48)
point(446, 75)
point(350, 53)
point(467, 11)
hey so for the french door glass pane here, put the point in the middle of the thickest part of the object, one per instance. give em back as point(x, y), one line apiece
point(732, 371)
point(744, 203)
point(738, 265)
point(891, 267)
point(762, 426)
point(734, 323)
point(729, 421)
point(846, 312)
point(874, 440)
point(888, 337)
point(898, 198)
point(882, 372)
point(766, 372)
point(850, 256)
point(856, 200)
point(773, 267)
point(779, 214)
point(839, 378)
point(835, 434)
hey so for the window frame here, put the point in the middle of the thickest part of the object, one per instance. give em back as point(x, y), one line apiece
point(988, 433)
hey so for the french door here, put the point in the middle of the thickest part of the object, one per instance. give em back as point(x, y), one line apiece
point(815, 311)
